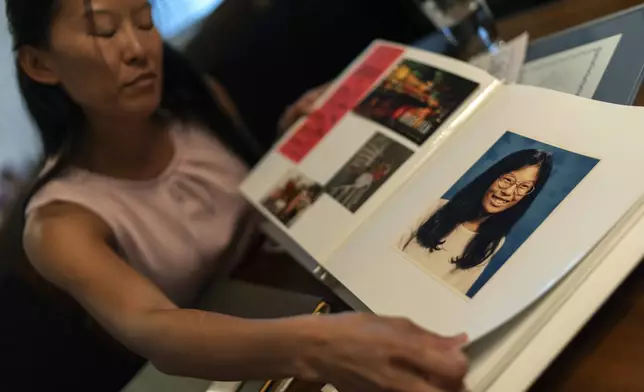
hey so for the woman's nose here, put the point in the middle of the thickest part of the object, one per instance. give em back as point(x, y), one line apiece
point(133, 51)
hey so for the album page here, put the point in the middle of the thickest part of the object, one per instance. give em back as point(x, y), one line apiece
point(510, 204)
point(384, 116)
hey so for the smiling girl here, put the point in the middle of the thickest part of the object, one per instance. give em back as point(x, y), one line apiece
point(457, 238)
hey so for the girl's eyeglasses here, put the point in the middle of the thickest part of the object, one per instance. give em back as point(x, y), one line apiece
point(522, 188)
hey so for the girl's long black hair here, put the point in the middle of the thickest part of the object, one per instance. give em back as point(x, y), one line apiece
point(466, 205)
point(60, 121)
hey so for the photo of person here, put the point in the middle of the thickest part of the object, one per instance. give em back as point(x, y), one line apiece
point(465, 237)
point(415, 99)
point(292, 197)
point(367, 171)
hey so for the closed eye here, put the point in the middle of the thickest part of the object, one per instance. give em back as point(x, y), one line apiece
point(101, 24)
point(104, 33)
point(143, 18)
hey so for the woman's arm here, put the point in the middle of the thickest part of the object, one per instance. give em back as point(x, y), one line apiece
point(67, 245)
point(221, 95)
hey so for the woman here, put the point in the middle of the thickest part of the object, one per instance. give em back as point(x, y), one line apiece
point(139, 200)
point(457, 238)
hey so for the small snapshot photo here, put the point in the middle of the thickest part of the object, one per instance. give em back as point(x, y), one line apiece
point(416, 99)
point(374, 163)
point(464, 238)
point(291, 197)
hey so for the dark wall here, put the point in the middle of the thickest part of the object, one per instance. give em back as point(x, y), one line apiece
point(268, 52)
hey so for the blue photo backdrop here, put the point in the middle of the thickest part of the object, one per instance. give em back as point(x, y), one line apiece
point(568, 170)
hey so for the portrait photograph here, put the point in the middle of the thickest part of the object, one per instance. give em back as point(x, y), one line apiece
point(289, 199)
point(371, 166)
point(464, 238)
point(415, 99)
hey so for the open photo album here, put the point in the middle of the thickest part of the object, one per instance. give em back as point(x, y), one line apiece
point(433, 191)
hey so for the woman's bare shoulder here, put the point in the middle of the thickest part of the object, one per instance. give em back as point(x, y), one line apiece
point(60, 237)
point(47, 223)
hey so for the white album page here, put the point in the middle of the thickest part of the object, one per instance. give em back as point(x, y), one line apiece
point(500, 213)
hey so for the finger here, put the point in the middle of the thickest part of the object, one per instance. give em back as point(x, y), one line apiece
point(306, 108)
point(316, 92)
point(294, 112)
point(313, 95)
point(458, 341)
point(310, 98)
point(447, 368)
point(420, 333)
point(322, 89)
point(307, 104)
point(449, 343)
point(289, 118)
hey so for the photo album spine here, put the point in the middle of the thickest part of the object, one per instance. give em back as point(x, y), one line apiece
point(377, 124)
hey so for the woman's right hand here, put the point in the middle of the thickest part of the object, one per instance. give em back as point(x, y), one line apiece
point(362, 352)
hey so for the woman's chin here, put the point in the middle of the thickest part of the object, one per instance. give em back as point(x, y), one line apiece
point(142, 107)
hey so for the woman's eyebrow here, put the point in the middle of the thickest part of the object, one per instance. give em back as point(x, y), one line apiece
point(142, 7)
point(90, 10)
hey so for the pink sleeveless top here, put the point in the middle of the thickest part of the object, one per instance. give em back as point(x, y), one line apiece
point(171, 229)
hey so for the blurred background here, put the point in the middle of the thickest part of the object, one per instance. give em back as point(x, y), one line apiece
point(268, 52)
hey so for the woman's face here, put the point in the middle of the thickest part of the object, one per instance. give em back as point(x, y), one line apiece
point(109, 61)
point(509, 189)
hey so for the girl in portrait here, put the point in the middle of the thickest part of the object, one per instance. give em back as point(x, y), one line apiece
point(457, 238)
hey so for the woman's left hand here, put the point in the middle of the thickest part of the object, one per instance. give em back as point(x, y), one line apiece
point(303, 107)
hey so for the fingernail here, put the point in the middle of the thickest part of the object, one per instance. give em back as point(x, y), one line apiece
point(461, 339)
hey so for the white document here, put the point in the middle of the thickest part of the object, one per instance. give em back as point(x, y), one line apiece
point(506, 63)
point(576, 71)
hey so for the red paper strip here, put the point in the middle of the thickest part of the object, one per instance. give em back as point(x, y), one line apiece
point(345, 98)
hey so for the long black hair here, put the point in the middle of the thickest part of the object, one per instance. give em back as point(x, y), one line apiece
point(60, 121)
point(466, 205)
